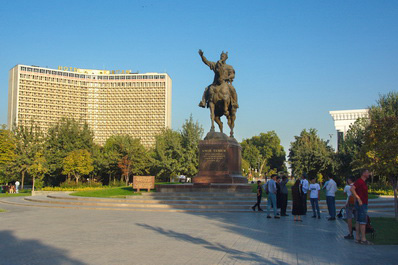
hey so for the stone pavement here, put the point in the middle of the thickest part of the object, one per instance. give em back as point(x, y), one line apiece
point(39, 235)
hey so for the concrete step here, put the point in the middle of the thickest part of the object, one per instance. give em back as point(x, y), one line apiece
point(153, 203)
point(94, 204)
point(22, 202)
point(199, 194)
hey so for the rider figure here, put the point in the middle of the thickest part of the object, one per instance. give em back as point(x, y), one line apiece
point(222, 73)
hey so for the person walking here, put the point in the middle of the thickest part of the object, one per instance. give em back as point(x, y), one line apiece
point(360, 192)
point(331, 189)
point(314, 198)
point(349, 207)
point(17, 186)
point(297, 201)
point(259, 196)
point(271, 188)
point(284, 195)
point(304, 187)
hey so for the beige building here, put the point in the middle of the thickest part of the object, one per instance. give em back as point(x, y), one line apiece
point(111, 102)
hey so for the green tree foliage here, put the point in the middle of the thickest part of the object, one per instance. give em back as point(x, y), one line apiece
point(64, 137)
point(381, 140)
point(78, 163)
point(349, 155)
point(312, 155)
point(264, 152)
point(191, 134)
point(123, 147)
point(168, 155)
point(98, 160)
point(28, 142)
point(37, 170)
point(245, 167)
point(7, 153)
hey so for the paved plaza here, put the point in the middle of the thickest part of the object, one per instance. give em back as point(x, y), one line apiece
point(40, 235)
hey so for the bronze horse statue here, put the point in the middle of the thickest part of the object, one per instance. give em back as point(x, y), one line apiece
point(220, 105)
point(220, 96)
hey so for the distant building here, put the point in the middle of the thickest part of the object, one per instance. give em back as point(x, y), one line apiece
point(343, 119)
point(111, 102)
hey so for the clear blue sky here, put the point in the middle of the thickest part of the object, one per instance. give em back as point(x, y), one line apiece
point(294, 60)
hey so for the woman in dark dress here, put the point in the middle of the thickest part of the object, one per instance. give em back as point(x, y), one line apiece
point(298, 209)
point(278, 193)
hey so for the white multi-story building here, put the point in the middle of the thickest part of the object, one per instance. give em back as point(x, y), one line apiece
point(344, 118)
point(111, 102)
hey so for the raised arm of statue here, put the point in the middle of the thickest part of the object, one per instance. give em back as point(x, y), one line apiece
point(206, 62)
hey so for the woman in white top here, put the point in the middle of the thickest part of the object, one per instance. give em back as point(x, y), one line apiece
point(349, 206)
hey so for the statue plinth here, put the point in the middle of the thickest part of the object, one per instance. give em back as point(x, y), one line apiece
point(220, 160)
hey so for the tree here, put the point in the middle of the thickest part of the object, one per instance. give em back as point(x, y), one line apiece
point(28, 142)
point(264, 152)
point(168, 154)
point(349, 155)
point(125, 166)
point(64, 137)
point(7, 152)
point(121, 151)
point(312, 155)
point(78, 163)
point(191, 134)
point(38, 169)
point(381, 140)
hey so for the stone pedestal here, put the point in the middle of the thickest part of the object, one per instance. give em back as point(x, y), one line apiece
point(220, 160)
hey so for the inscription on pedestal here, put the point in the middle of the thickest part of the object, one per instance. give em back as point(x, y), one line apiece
point(213, 158)
point(214, 155)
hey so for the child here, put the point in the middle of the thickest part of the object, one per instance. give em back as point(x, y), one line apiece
point(259, 196)
point(314, 198)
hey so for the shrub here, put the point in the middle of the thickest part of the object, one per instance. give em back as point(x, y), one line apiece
point(73, 184)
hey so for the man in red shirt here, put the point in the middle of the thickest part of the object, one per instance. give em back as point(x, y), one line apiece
point(360, 192)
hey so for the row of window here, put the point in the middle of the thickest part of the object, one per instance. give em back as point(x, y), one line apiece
point(100, 77)
point(84, 83)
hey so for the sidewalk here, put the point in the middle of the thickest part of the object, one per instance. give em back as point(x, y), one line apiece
point(40, 235)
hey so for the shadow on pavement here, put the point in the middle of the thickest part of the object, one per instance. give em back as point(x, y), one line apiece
point(16, 252)
point(236, 254)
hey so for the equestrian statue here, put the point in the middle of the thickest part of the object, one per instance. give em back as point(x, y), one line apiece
point(220, 96)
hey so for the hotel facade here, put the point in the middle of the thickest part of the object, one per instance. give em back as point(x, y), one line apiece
point(111, 102)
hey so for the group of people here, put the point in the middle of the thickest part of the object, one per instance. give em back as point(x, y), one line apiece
point(277, 195)
point(356, 204)
point(11, 188)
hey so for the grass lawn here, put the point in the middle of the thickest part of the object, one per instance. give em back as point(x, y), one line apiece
point(386, 231)
point(21, 193)
point(1, 210)
point(117, 192)
point(340, 195)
